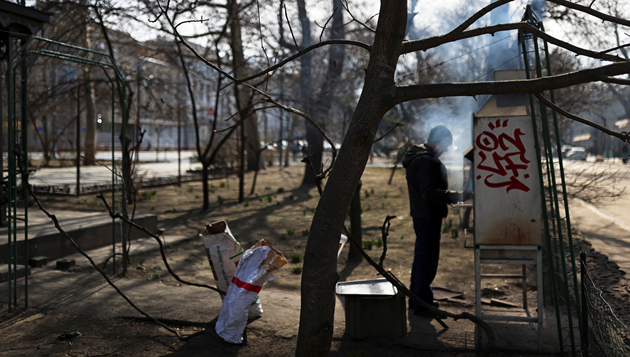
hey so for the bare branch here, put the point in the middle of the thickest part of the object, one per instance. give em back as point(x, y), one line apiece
point(389, 131)
point(327, 21)
point(301, 53)
point(157, 238)
point(291, 28)
point(435, 41)
point(624, 135)
point(76, 246)
point(364, 24)
point(615, 80)
point(191, 21)
point(422, 91)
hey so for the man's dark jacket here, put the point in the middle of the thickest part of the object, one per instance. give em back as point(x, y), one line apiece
point(427, 183)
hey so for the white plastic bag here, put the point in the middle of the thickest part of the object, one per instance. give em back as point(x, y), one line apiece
point(249, 278)
point(224, 252)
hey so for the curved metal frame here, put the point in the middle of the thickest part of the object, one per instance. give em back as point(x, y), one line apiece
point(17, 144)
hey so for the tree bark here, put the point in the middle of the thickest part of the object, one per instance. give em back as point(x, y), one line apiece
point(320, 268)
point(241, 93)
point(355, 226)
point(306, 97)
point(323, 101)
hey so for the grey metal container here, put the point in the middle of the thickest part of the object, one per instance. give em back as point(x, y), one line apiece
point(374, 308)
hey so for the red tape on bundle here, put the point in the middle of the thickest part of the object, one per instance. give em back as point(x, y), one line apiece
point(246, 286)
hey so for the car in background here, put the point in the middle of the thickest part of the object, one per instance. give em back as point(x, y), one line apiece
point(577, 153)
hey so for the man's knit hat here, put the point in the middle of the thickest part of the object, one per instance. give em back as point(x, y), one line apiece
point(440, 135)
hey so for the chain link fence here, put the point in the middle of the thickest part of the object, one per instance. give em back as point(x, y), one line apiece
point(605, 335)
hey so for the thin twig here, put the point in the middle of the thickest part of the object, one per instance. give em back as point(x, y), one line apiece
point(286, 14)
point(157, 238)
point(389, 131)
point(327, 21)
point(384, 233)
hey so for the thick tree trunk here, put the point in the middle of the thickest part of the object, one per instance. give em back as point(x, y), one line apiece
point(320, 260)
point(243, 94)
point(323, 100)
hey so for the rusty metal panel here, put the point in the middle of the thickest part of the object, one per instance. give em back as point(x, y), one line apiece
point(508, 198)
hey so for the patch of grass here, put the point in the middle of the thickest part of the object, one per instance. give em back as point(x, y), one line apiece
point(188, 260)
point(366, 193)
point(372, 191)
point(157, 267)
point(260, 199)
point(69, 334)
point(246, 203)
point(223, 185)
point(297, 270)
point(296, 258)
point(140, 265)
point(305, 232)
point(197, 197)
point(385, 196)
point(190, 189)
point(153, 277)
point(303, 212)
point(290, 231)
point(280, 190)
point(269, 198)
point(379, 242)
point(220, 199)
point(267, 188)
point(292, 197)
point(149, 195)
point(212, 190)
point(152, 208)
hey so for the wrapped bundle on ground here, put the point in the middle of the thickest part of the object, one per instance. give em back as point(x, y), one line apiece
point(253, 272)
point(224, 252)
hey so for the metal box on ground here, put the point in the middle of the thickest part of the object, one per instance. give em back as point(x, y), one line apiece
point(374, 308)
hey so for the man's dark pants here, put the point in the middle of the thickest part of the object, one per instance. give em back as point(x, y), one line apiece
point(425, 262)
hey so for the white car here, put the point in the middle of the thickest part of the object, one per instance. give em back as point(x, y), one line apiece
point(577, 153)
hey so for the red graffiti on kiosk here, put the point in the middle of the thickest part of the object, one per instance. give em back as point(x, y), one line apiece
point(506, 166)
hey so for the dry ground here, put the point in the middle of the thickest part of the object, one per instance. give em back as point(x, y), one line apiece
point(280, 212)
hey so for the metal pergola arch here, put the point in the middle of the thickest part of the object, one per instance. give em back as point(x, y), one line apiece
point(17, 149)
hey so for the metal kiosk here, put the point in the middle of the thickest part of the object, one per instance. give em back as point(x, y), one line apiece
point(508, 198)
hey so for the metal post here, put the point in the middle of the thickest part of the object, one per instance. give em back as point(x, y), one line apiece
point(552, 272)
point(24, 153)
point(179, 147)
point(584, 329)
point(78, 139)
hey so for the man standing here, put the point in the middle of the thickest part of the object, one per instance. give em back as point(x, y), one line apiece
point(428, 197)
